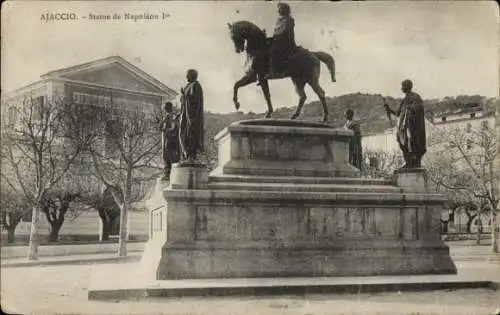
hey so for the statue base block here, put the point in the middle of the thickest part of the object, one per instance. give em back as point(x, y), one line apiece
point(278, 221)
point(278, 234)
point(411, 179)
point(284, 148)
point(186, 175)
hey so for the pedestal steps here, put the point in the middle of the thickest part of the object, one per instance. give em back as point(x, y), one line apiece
point(295, 187)
point(300, 180)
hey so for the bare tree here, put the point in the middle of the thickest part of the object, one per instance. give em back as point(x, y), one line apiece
point(468, 158)
point(39, 149)
point(445, 177)
point(107, 208)
point(67, 199)
point(13, 208)
point(380, 163)
point(128, 161)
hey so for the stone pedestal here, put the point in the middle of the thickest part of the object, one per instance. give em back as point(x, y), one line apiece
point(188, 176)
point(411, 179)
point(285, 202)
point(284, 148)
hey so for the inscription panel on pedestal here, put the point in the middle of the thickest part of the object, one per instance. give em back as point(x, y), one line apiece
point(387, 222)
point(250, 223)
point(295, 223)
point(434, 214)
point(156, 222)
point(409, 223)
point(266, 147)
point(353, 222)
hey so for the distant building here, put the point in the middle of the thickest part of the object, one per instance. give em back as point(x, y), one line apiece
point(111, 80)
point(99, 82)
point(379, 135)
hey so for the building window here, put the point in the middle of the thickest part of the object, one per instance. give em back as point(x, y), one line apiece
point(90, 99)
point(374, 163)
point(12, 116)
point(37, 108)
point(469, 144)
point(469, 127)
point(472, 115)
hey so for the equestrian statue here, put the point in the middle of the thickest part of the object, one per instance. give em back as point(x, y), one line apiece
point(277, 58)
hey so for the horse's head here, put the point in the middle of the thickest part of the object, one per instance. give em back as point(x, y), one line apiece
point(237, 37)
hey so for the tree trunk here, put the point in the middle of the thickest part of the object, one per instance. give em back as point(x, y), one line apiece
point(11, 237)
point(54, 232)
point(106, 229)
point(10, 223)
point(35, 227)
point(122, 241)
point(105, 225)
point(479, 230)
point(470, 220)
point(495, 224)
point(445, 225)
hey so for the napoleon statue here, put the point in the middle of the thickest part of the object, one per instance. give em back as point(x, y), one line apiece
point(283, 44)
point(411, 126)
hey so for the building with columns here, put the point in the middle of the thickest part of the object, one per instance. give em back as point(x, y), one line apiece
point(110, 80)
point(96, 83)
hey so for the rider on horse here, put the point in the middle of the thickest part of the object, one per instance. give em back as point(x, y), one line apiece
point(283, 44)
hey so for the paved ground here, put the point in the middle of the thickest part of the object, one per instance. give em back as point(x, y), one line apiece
point(63, 289)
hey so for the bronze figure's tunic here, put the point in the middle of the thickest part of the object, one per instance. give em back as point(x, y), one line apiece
point(170, 142)
point(411, 129)
point(355, 147)
point(191, 125)
point(283, 42)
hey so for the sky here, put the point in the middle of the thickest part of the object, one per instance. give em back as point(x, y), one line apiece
point(446, 48)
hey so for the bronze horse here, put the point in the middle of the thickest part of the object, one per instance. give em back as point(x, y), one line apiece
point(303, 67)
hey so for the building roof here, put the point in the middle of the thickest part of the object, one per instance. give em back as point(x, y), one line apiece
point(461, 110)
point(382, 125)
point(67, 73)
point(105, 62)
point(27, 88)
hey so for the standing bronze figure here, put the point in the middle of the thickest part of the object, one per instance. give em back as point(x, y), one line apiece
point(191, 125)
point(355, 147)
point(170, 139)
point(411, 126)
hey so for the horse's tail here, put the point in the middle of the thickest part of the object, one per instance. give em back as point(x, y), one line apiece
point(328, 60)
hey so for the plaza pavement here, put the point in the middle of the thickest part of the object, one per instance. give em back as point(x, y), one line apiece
point(49, 289)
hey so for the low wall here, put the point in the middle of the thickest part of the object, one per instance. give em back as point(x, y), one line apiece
point(82, 228)
point(87, 223)
point(67, 250)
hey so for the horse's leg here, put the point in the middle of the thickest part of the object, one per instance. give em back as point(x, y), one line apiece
point(321, 94)
point(264, 84)
point(250, 77)
point(299, 88)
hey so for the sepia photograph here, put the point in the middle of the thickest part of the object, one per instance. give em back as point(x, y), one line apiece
point(250, 157)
